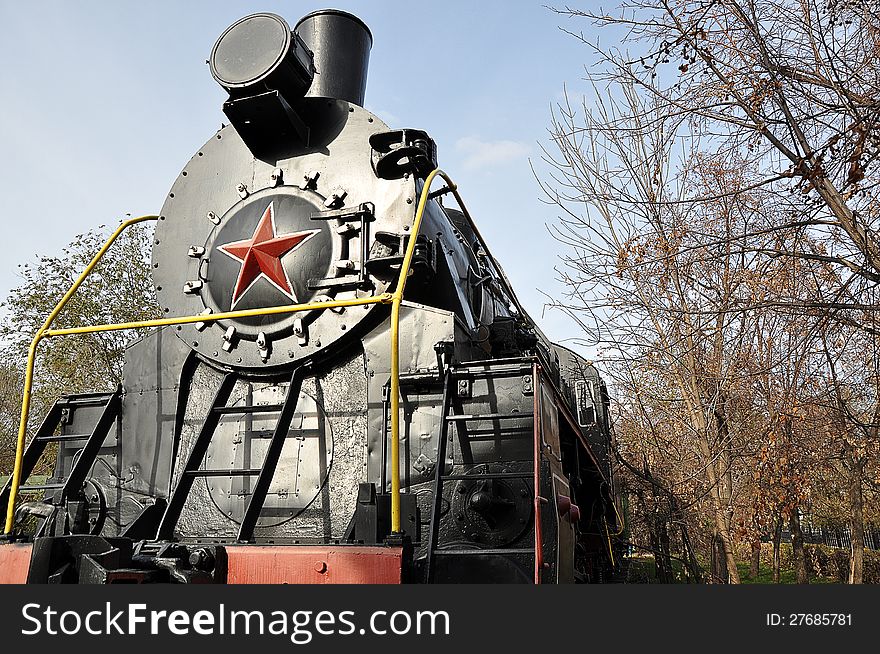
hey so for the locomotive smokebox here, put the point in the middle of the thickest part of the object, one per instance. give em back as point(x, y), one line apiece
point(341, 46)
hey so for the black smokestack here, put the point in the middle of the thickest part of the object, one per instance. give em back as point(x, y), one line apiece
point(341, 45)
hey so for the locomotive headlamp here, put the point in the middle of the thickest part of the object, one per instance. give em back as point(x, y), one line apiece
point(260, 53)
point(267, 69)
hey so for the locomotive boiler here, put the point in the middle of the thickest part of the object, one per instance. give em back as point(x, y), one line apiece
point(343, 387)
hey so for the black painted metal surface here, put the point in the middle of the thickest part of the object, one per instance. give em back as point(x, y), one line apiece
point(341, 45)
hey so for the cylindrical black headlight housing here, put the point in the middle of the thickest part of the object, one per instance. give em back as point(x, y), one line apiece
point(260, 53)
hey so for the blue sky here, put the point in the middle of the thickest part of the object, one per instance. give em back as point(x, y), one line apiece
point(104, 102)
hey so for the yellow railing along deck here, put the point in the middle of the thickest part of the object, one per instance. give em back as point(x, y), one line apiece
point(394, 299)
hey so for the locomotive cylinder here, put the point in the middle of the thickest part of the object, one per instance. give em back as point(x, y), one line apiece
point(341, 46)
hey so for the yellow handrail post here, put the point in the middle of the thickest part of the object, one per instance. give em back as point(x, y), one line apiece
point(32, 355)
point(397, 298)
point(22, 425)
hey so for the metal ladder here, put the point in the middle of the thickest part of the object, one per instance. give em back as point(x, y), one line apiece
point(61, 413)
point(450, 378)
point(192, 469)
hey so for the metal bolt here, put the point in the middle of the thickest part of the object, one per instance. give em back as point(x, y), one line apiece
point(201, 325)
point(202, 559)
point(277, 177)
point(336, 198)
point(310, 180)
point(213, 218)
point(196, 251)
point(229, 339)
point(263, 346)
point(299, 330)
point(193, 286)
point(242, 191)
point(327, 298)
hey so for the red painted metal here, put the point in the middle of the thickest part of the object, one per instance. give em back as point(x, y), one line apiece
point(15, 560)
point(255, 564)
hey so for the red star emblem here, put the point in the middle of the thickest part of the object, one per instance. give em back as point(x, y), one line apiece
point(260, 256)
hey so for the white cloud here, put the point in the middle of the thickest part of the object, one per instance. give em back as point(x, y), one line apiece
point(483, 154)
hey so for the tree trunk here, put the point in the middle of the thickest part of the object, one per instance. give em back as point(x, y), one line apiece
point(720, 569)
point(663, 537)
point(722, 483)
point(661, 550)
point(693, 565)
point(723, 533)
point(755, 563)
point(777, 558)
point(857, 518)
point(797, 548)
point(650, 515)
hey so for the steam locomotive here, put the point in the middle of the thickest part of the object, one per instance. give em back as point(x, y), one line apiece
point(257, 448)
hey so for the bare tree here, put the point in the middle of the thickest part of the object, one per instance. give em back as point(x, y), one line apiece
point(790, 86)
point(719, 197)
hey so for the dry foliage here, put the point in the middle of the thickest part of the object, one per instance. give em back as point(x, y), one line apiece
point(718, 196)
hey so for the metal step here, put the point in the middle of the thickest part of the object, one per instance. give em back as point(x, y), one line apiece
point(62, 438)
point(224, 472)
point(91, 400)
point(258, 408)
point(39, 487)
point(489, 475)
point(489, 416)
point(517, 361)
point(522, 435)
point(490, 369)
point(476, 552)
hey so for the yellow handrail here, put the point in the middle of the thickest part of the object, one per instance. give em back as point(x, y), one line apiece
point(394, 299)
point(384, 298)
point(397, 297)
point(32, 352)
